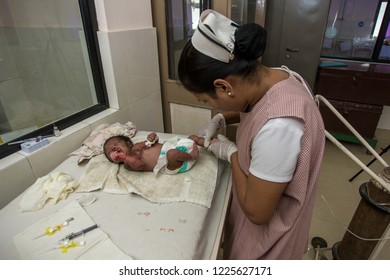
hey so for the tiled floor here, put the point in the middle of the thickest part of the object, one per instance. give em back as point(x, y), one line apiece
point(337, 198)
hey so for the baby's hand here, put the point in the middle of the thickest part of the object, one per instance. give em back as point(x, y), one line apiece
point(117, 156)
point(151, 139)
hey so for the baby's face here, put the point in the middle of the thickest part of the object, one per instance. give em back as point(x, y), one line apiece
point(117, 150)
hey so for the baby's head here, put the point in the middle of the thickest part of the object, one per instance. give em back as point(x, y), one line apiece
point(116, 148)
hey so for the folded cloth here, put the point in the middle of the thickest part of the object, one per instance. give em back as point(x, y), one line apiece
point(93, 145)
point(197, 185)
point(48, 189)
point(97, 244)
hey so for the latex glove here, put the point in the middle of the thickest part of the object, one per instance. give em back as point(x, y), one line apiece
point(209, 130)
point(222, 147)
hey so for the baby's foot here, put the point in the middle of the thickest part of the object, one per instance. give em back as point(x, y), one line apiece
point(195, 152)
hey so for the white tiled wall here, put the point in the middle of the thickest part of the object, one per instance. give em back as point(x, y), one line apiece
point(188, 120)
point(130, 61)
point(16, 175)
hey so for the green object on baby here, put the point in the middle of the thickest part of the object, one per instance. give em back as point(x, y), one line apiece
point(181, 148)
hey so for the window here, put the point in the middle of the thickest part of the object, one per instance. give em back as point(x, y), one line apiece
point(358, 30)
point(182, 19)
point(50, 70)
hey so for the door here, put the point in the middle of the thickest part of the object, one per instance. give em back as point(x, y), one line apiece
point(175, 21)
point(295, 33)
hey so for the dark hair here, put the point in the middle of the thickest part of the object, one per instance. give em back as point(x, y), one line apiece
point(250, 41)
point(119, 137)
point(197, 72)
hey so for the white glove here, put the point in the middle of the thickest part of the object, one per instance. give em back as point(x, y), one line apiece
point(222, 148)
point(209, 130)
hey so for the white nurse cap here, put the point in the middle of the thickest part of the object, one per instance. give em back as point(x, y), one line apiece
point(214, 36)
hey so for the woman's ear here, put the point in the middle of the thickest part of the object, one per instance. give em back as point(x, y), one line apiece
point(222, 85)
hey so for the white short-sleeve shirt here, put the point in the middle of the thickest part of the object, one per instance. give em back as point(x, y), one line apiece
point(275, 149)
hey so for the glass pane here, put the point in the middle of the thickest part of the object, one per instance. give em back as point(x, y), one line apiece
point(351, 28)
point(182, 19)
point(244, 11)
point(177, 20)
point(385, 50)
point(45, 70)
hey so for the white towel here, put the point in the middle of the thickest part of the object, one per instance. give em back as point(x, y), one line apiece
point(48, 189)
point(97, 243)
point(196, 185)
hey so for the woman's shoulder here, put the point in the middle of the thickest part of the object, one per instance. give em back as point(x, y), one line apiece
point(278, 75)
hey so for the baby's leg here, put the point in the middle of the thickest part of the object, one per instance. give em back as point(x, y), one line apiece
point(176, 158)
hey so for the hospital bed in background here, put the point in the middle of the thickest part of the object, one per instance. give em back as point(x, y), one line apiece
point(133, 225)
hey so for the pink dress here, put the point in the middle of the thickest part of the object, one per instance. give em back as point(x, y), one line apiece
point(286, 235)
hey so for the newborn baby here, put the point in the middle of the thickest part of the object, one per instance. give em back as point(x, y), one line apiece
point(170, 158)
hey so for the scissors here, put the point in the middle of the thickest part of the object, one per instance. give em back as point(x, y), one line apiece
point(51, 230)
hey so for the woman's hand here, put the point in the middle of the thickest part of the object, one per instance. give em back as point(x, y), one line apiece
point(222, 147)
point(209, 130)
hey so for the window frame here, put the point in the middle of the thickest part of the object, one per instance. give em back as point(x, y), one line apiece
point(90, 26)
point(382, 33)
point(378, 44)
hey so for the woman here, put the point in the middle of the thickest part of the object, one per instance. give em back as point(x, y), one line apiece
point(280, 137)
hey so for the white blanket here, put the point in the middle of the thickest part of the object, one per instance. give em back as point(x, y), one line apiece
point(196, 185)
